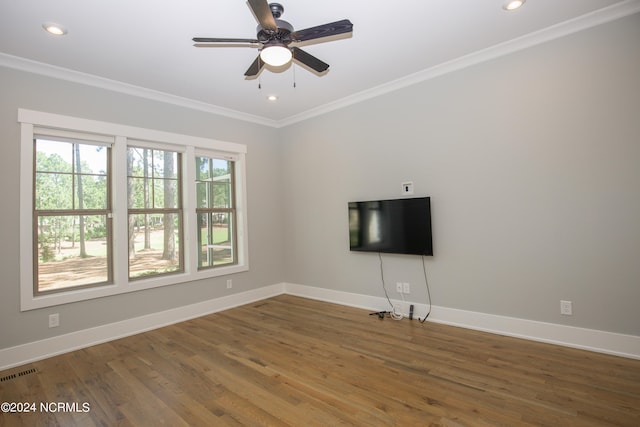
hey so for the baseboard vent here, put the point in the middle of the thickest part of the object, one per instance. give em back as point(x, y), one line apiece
point(19, 374)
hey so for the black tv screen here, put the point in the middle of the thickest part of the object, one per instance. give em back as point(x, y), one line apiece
point(399, 226)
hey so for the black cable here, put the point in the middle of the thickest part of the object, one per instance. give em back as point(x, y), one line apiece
point(424, 269)
point(382, 278)
point(384, 288)
point(380, 314)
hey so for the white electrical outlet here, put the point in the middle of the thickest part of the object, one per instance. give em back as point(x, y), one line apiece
point(229, 284)
point(406, 288)
point(399, 287)
point(566, 308)
point(54, 320)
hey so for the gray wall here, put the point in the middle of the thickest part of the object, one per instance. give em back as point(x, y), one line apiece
point(533, 164)
point(24, 90)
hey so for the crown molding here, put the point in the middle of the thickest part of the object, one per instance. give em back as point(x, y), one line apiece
point(589, 20)
point(592, 19)
point(61, 73)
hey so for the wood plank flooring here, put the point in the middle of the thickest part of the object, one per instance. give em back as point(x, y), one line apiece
point(289, 361)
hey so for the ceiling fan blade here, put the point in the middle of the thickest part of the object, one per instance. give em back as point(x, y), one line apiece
point(222, 40)
point(255, 68)
point(326, 30)
point(309, 60)
point(263, 13)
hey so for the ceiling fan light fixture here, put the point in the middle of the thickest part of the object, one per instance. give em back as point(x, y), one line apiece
point(513, 4)
point(276, 55)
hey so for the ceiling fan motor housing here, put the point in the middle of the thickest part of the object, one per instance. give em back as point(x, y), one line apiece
point(282, 34)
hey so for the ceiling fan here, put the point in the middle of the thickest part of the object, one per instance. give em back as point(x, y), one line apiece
point(275, 37)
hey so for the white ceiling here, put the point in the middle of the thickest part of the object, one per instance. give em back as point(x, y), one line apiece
point(147, 46)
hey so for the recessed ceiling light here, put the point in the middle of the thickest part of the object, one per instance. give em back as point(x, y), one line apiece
point(513, 4)
point(272, 98)
point(55, 29)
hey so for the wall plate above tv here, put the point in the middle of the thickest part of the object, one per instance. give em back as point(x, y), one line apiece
point(407, 188)
point(399, 226)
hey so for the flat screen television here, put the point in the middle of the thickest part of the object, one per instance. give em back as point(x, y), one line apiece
point(399, 226)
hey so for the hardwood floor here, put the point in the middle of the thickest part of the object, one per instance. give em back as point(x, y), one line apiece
point(292, 361)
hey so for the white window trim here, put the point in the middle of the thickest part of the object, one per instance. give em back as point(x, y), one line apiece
point(123, 134)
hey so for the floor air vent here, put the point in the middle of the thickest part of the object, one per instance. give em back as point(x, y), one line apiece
point(19, 374)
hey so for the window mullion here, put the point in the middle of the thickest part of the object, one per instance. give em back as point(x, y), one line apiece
point(191, 228)
point(120, 217)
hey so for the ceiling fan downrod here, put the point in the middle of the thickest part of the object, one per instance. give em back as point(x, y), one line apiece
point(276, 9)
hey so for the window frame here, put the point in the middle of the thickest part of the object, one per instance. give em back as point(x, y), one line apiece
point(71, 139)
point(122, 137)
point(178, 210)
point(231, 211)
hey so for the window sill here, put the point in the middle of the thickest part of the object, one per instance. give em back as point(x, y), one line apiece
point(76, 295)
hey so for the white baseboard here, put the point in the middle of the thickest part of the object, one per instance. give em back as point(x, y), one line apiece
point(38, 350)
point(587, 339)
point(568, 336)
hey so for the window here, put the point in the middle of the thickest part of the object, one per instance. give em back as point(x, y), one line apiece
point(71, 215)
point(108, 209)
point(215, 210)
point(155, 214)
